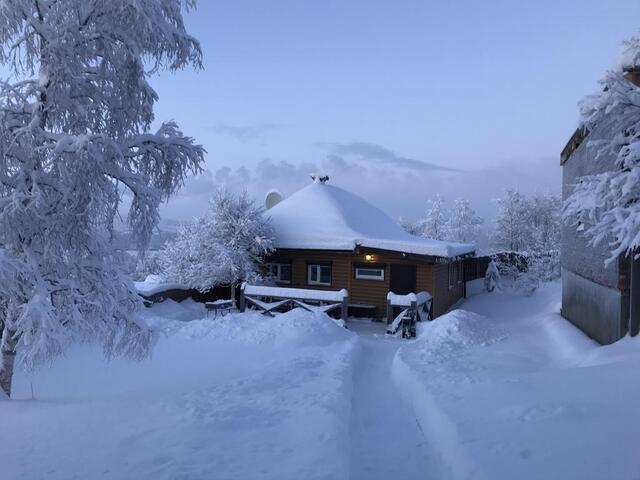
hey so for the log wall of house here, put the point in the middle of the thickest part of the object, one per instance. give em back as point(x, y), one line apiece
point(430, 277)
point(445, 296)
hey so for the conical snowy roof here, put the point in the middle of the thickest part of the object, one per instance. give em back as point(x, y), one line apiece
point(324, 217)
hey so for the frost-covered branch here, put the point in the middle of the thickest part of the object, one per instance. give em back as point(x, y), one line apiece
point(605, 206)
point(75, 135)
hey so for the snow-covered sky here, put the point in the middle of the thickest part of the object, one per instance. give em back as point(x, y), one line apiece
point(395, 100)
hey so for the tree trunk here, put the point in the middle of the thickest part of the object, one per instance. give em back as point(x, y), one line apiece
point(8, 352)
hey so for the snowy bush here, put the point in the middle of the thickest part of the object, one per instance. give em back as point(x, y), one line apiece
point(492, 277)
point(528, 228)
point(226, 246)
point(606, 205)
point(75, 135)
point(150, 264)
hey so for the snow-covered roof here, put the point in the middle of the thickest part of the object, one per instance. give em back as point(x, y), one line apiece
point(325, 217)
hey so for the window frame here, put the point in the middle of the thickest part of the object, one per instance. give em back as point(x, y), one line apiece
point(359, 276)
point(279, 265)
point(319, 281)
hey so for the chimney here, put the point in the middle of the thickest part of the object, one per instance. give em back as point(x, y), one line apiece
point(319, 178)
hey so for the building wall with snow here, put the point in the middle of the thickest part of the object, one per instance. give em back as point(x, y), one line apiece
point(595, 297)
point(429, 276)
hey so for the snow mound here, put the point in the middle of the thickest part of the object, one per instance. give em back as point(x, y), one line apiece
point(296, 326)
point(325, 217)
point(244, 396)
point(155, 284)
point(520, 393)
point(458, 328)
point(169, 309)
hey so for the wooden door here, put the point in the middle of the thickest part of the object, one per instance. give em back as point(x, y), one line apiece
point(402, 279)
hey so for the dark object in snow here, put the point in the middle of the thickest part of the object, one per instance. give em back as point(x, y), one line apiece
point(415, 307)
point(219, 307)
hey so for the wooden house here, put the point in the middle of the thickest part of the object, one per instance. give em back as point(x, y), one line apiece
point(329, 238)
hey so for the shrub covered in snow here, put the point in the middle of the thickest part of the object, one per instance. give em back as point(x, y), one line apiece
point(528, 227)
point(225, 246)
point(492, 277)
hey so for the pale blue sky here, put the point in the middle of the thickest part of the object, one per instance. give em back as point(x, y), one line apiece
point(465, 84)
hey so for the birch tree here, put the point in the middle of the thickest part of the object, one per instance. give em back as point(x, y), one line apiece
point(435, 222)
point(464, 224)
point(75, 137)
point(513, 228)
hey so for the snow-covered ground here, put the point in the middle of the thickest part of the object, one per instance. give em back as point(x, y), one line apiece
point(502, 388)
point(242, 397)
point(506, 388)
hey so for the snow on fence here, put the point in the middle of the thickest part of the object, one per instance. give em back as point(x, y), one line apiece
point(269, 299)
point(415, 306)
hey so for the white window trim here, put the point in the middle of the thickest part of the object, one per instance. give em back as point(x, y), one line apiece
point(317, 282)
point(364, 276)
point(278, 277)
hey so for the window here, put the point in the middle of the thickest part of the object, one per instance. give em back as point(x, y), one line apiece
point(370, 273)
point(319, 274)
point(281, 272)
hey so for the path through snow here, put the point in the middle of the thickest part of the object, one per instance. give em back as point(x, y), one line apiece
point(386, 440)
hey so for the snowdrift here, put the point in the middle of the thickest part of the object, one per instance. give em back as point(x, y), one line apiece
point(523, 395)
point(244, 396)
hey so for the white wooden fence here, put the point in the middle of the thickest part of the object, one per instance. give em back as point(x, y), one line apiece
point(269, 299)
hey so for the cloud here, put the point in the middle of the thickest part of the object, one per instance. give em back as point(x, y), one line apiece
point(400, 192)
point(246, 133)
point(377, 153)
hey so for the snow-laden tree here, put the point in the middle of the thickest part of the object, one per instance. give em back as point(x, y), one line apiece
point(546, 223)
point(75, 136)
point(414, 228)
point(513, 227)
point(435, 222)
point(463, 224)
point(606, 205)
point(225, 246)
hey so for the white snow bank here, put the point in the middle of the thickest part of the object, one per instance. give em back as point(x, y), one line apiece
point(325, 217)
point(155, 284)
point(169, 309)
point(518, 392)
point(243, 396)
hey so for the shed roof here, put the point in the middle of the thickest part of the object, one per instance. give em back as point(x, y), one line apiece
point(325, 217)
